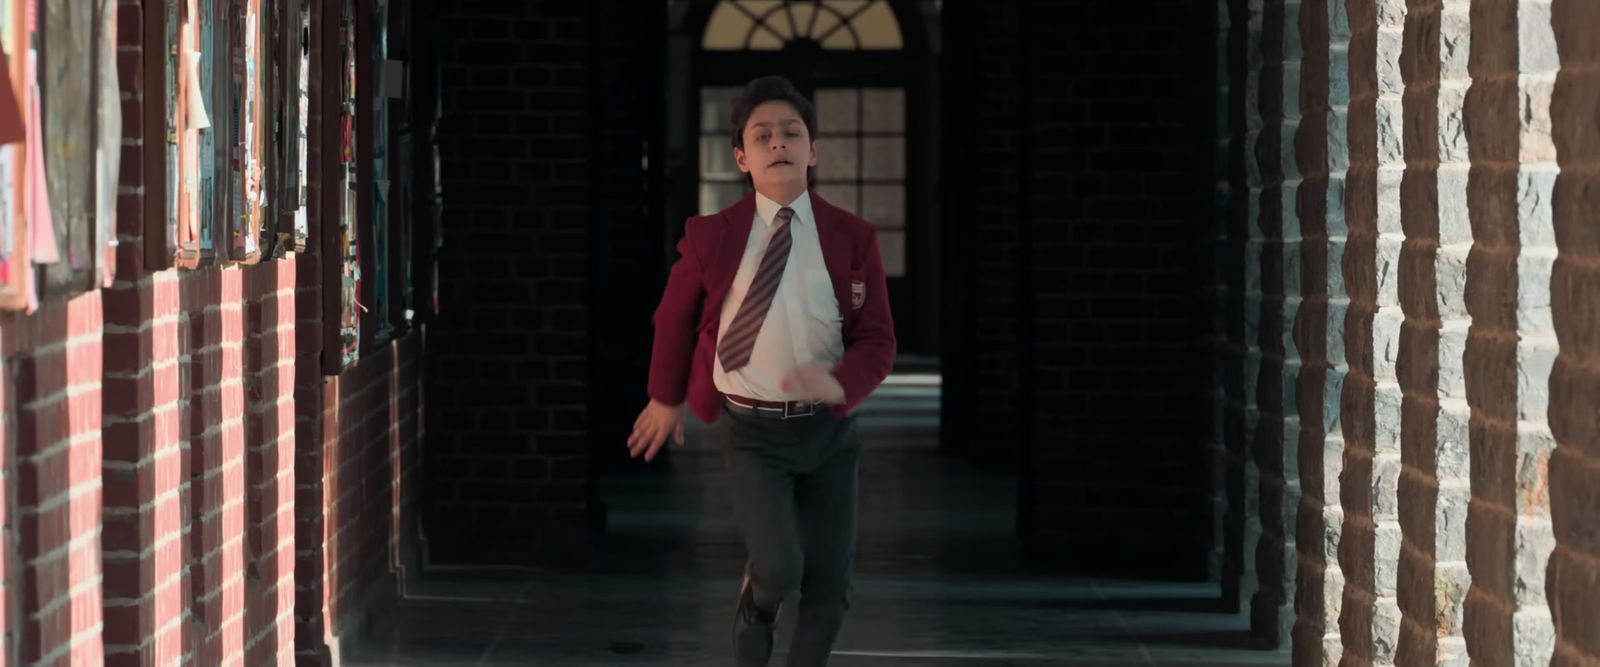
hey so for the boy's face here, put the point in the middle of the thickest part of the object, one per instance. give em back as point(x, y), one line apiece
point(777, 147)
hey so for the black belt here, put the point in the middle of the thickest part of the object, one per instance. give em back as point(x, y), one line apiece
point(773, 409)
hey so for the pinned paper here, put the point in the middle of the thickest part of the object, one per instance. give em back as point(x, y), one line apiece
point(8, 223)
point(197, 119)
point(11, 127)
point(43, 248)
point(108, 155)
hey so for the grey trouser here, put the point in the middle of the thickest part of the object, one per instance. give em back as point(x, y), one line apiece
point(794, 498)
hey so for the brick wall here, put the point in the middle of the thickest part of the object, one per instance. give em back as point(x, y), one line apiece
point(143, 470)
point(269, 380)
point(8, 531)
point(1574, 569)
point(175, 393)
point(1116, 192)
point(626, 99)
point(357, 492)
point(983, 417)
point(311, 629)
point(357, 437)
point(144, 545)
point(210, 301)
point(508, 364)
point(54, 358)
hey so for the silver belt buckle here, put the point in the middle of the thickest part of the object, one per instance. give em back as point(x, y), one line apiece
point(810, 409)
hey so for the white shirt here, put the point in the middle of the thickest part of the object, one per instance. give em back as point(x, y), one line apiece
point(803, 324)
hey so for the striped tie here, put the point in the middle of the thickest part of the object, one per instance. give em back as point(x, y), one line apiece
point(740, 338)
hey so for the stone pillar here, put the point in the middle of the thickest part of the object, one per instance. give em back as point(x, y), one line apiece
point(1334, 458)
point(1434, 485)
point(1267, 254)
point(1573, 579)
point(1533, 636)
point(1235, 435)
point(1360, 271)
point(1288, 436)
point(1216, 295)
point(1451, 449)
point(1386, 324)
point(1253, 297)
point(1317, 576)
point(1492, 124)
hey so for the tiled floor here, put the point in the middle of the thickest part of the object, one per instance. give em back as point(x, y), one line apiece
point(940, 581)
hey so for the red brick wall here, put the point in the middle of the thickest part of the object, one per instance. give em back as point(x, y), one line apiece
point(358, 475)
point(54, 359)
point(352, 519)
point(145, 469)
point(1573, 578)
point(210, 303)
point(177, 393)
point(199, 521)
point(269, 363)
point(8, 533)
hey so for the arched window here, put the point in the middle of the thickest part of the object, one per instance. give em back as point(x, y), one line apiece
point(768, 25)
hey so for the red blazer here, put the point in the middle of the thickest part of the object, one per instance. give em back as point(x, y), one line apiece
point(690, 313)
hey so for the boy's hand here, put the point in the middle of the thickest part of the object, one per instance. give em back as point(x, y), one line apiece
point(657, 421)
point(813, 382)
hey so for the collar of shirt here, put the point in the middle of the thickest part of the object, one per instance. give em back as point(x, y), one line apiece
point(767, 209)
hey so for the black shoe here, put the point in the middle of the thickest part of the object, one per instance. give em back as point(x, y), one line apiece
point(752, 629)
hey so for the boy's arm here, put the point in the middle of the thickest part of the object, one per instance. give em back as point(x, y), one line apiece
point(675, 323)
point(870, 349)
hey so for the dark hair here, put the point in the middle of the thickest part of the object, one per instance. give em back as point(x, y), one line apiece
point(768, 89)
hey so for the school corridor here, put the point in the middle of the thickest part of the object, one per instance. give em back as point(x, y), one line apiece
point(1230, 332)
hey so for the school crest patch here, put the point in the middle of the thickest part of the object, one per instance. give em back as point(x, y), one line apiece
point(858, 294)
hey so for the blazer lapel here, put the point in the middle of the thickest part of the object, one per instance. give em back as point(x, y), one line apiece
point(736, 222)
point(835, 251)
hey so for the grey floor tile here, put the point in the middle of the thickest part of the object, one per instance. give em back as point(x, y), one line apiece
point(940, 580)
